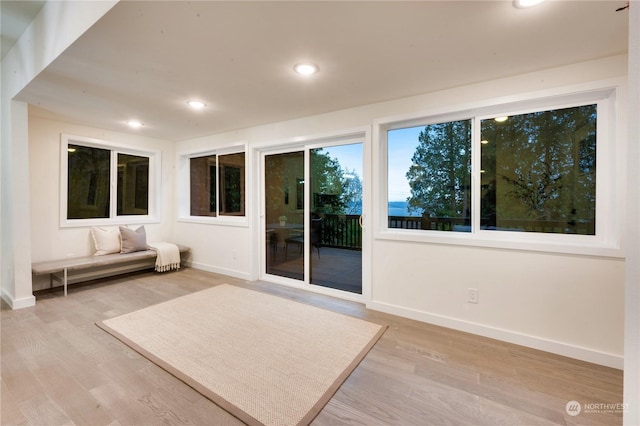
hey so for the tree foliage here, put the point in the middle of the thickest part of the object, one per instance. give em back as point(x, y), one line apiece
point(536, 167)
point(335, 189)
point(543, 166)
point(440, 174)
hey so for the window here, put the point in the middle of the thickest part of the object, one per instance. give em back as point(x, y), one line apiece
point(217, 185)
point(540, 170)
point(102, 182)
point(431, 188)
point(203, 186)
point(89, 174)
point(133, 185)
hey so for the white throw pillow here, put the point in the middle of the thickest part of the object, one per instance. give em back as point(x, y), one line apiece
point(106, 241)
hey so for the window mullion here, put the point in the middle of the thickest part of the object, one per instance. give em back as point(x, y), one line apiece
point(476, 166)
point(113, 194)
point(218, 183)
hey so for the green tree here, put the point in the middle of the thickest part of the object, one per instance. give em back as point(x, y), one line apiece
point(542, 166)
point(351, 192)
point(440, 176)
point(327, 183)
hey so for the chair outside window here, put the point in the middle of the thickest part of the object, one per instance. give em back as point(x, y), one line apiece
point(315, 235)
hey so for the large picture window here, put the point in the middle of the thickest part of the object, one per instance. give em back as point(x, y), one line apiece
point(538, 171)
point(103, 182)
point(543, 170)
point(217, 185)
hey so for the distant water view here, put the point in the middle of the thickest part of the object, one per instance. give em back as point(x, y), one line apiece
point(400, 208)
point(396, 208)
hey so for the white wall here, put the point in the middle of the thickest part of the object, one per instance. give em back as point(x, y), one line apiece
point(571, 305)
point(48, 239)
point(567, 304)
point(57, 25)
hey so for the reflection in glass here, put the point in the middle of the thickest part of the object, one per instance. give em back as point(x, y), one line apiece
point(335, 235)
point(203, 185)
point(232, 192)
point(88, 176)
point(217, 178)
point(539, 172)
point(284, 215)
point(133, 185)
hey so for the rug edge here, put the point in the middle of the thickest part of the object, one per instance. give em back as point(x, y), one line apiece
point(184, 378)
point(337, 383)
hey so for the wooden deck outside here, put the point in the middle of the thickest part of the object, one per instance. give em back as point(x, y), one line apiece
point(330, 267)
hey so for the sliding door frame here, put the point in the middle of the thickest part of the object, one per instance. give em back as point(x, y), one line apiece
point(306, 144)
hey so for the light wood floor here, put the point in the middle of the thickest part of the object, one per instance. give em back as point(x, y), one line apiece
point(58, 368)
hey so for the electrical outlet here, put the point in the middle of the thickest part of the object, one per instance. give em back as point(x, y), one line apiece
point(472, 295)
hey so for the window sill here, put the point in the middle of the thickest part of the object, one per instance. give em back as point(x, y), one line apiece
point(239, 221)
point(573, 244)
point(120, 220)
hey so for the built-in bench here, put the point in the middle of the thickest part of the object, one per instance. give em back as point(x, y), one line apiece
point(61, 269)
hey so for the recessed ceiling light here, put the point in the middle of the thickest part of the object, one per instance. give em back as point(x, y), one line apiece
point(501, 119)
point(196, 104)
point(523, 4)
point(306, 69)
point(134, 123)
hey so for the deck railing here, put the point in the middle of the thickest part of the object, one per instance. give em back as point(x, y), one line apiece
point(463, 224)
point(343, 231)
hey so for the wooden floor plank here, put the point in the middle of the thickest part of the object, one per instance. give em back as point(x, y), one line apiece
point(59, 368)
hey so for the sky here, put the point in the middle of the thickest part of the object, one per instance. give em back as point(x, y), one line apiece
point(349, 156)
point(402, 144)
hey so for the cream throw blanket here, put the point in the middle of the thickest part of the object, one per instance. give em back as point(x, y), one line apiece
point(168, 257)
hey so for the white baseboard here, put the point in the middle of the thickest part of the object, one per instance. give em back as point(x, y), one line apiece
point(23, 302)
point(560, 348)
point(223, 271)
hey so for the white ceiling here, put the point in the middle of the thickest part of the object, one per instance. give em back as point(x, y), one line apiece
point(145, 59)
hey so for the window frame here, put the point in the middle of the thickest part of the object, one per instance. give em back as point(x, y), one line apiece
point(184, 184)
point(154, 183)
point(605, 242)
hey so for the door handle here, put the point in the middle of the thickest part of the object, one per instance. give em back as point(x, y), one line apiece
point(361, 221)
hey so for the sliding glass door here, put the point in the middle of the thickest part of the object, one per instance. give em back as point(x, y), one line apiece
point(284, 214)
point(313, 231)
point(334, 220)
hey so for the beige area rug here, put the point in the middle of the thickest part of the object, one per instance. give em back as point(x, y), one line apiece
point(265, 359)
